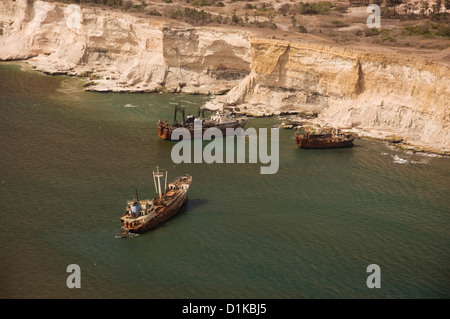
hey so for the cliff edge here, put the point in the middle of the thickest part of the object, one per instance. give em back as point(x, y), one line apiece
point(375, 94)
point(122, 52)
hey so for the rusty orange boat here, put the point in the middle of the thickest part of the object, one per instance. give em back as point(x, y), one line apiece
point(142, 215)
point(334, 139)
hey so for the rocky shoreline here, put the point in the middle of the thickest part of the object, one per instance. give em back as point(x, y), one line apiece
point(299, 118)
point(395, 141)
point(377, 95)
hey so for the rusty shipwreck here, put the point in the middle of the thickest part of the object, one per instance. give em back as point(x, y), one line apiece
point(221, 120)
point(142, 215)
point(334, 139)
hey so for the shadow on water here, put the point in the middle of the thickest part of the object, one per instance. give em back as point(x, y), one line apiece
point(189, 206)
point(195, 203)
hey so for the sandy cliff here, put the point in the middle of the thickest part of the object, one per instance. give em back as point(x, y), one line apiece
point(375, 94)
point(122, 52)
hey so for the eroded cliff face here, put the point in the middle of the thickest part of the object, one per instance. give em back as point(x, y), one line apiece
point(121, 52)
point(377, 95)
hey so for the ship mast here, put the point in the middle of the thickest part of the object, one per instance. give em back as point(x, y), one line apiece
point(157, 175)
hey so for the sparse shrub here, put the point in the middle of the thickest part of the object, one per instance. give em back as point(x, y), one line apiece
point(389, 39)
point(341, 9)
point(264, 24)
point(371, 32)
point(264, 8)
point(202, 3)
point(323, 8)
point(284, 8)
point(443, 17)
point(192, 16)
point(388, 13)
point(235, 19)
point(154, 13)
point(302, 29)
point(293, 21)
point(427, 30)
point(443, 31)
point(176, 14)
point(127, 4)
point(111, 3)
point(422, 30)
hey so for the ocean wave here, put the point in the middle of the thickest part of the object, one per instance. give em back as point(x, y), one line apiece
point(398, 160)
point(419, 162)
point(429, 154)
point(188, 102)
point(125, 234)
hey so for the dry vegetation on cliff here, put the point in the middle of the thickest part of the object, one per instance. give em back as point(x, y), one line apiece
point(416, 26)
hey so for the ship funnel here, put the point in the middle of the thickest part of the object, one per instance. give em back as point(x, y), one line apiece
point(157, 176)
point(136, 206)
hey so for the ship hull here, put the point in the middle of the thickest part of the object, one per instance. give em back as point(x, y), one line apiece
point(323, 143)
point(165, 132)
point(166, 213)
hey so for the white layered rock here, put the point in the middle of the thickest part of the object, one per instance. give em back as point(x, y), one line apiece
point(122, 52)
point(377, 95)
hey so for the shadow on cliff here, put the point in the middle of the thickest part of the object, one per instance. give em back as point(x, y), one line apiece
point(360, 82)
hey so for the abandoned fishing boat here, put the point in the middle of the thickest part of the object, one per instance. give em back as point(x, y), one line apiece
point(221, 120)
point(142, 215)
point(334, 139)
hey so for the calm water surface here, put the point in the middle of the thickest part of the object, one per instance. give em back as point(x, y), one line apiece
point(70, 159)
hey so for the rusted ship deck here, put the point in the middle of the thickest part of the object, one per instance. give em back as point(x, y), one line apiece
point(142, 215)
point(197, 126)
point(334, 139)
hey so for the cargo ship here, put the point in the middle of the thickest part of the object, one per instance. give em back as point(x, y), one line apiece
point(221, 120)
point(334, 139)
point(142, 215)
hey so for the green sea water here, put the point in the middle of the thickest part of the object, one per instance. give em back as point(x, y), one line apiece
point(70, 159)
